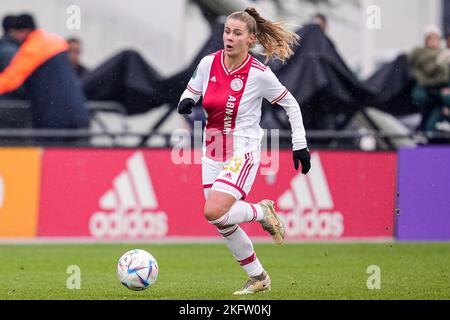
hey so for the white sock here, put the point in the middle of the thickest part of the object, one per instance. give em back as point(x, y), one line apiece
point(240, 212)
point(242, 248)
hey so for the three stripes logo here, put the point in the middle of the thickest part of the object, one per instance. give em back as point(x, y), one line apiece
point(130, 208)
point(307, 209)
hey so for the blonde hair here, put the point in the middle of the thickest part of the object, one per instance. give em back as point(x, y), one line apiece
point(276, 40)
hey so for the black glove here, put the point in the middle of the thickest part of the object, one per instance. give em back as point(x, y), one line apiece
point(185, 106)
point(304, 157)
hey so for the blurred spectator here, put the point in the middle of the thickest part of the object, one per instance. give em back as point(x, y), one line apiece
point(321, 20)
point(431, 71)
point(447, 39)
point(8, 47)
point(74, 54)
point(41, 63)
point(443, 122)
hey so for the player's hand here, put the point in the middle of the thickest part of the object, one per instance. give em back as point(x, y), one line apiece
point(304, 158)
point(185, 106)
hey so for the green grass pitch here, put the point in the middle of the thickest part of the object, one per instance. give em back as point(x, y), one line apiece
point(208, 271)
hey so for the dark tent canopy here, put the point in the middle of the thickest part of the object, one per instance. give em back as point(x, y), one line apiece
point(393, 84)
point(177, 84)
point(321, 82)
point(126, 78)
point(316, 75)
point(327, 90)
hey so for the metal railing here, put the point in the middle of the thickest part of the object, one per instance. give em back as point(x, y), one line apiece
point(316, 139)
point(20, 135)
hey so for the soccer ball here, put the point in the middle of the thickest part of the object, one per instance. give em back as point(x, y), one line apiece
point(137, 269)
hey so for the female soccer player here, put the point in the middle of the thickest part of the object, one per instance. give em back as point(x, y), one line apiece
point(233, 84)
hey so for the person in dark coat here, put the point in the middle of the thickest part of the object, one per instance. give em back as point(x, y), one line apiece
point(57, 100)
point(8, 47)
point(432, 73)
point(74, 54)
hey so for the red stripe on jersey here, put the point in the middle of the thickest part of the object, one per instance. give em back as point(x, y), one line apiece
point(228, 72)
point(207, 186)
point(193, 90)
point(221, 102)
point(244, 195)
point(258, 67)
point(256, 61)
point(248, 260)
point(285, 92)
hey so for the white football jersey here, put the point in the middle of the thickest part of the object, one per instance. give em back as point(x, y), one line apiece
point(232, 102)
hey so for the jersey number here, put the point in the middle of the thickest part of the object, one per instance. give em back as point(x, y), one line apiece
point(234, 165)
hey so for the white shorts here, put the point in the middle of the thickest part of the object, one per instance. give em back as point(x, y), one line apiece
point(235, 177)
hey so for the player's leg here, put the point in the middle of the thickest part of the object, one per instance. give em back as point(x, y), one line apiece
point(242, 249)
point(227, 214)
point(223, 206)
point(236, 179)
point(234, 212)
point(217, 206)
point(242, 211)
point(210, 171)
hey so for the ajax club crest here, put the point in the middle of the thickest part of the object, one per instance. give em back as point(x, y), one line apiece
point(237, 84)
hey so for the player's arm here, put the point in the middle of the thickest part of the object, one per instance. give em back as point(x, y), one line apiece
point(276, 93)
point(193, 91)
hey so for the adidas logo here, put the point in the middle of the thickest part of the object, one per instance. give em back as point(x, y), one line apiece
point(130, 208)
point(307, 209)
point(228, 175)
point(213, 79)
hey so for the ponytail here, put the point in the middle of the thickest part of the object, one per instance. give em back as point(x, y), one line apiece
point(276, 40)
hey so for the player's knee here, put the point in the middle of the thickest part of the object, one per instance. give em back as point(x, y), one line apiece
point(214, 211)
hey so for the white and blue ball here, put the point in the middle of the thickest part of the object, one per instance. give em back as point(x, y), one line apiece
point(137, 269)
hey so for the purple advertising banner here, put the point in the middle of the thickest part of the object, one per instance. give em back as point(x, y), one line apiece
point(424, 194)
